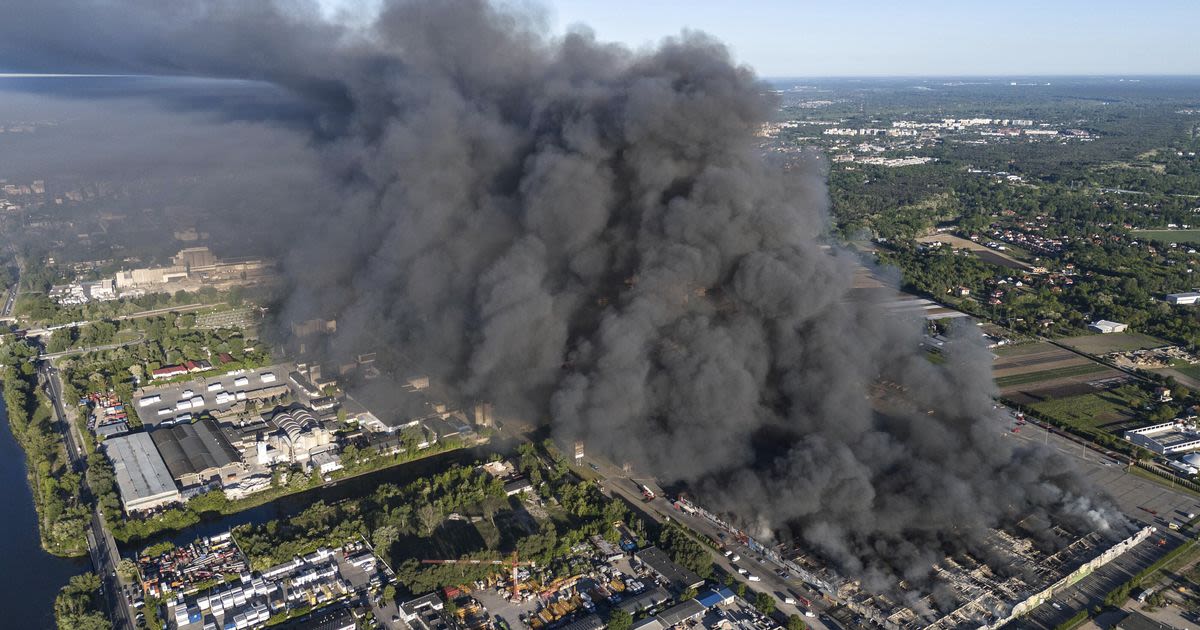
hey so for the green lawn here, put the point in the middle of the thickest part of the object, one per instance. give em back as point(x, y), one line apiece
point(1049, 375)
point(1170, 236)
point(1091, 411)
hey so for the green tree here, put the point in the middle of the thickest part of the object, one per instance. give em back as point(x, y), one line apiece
point(384, 538)
point(764, 603)
point(619, 620)
point(127, 569)
point(796, 622)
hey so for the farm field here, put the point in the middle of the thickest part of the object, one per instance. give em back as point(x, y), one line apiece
point(1170, 236)
point(1049, 375)
point(1099, 344)
point(1035, 372)
point(1007, 258)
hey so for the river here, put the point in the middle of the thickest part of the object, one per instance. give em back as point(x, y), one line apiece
point(29, 577)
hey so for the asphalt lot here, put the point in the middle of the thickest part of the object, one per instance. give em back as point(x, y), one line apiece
point(1145, 502)
point(206, 388)
point(1141, 499)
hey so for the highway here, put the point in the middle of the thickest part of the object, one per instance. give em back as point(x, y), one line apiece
point(101, 546)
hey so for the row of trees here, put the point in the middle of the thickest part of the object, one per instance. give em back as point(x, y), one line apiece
point(78, 605)
point(57, 489)
point(685, 551)
point(40, 309)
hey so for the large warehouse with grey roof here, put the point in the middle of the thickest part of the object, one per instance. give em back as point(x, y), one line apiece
point(142, 475)
point(197, 453)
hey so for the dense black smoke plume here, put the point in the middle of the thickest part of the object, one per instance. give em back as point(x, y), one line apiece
point(590, 237)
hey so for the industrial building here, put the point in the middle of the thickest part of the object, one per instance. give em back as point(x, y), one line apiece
point(198, 453)
point(396, 409)
point(192, 268)
point(1188, 464)
point(318, 579)
point(298, 436)
point(423, 613)
point(678, 578)
point(195, 259)
point(149, 277)
point(985, 599)
point(1177, 436)
point(1188, 297)
point(645, 600)
point(1044, 559)
point(1105, 327)
point(681, 613)
point(143, 478)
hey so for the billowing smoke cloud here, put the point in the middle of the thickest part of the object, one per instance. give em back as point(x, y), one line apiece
point(590, 238)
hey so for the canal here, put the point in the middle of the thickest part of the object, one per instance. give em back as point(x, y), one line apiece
point(291, 505)
point(30, 577)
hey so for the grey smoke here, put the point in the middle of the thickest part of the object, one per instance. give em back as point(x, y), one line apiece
point(591, 238)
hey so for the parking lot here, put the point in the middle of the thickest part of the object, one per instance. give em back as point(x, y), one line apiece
point(1144, 501)
point(182, 402)
point(1139, 498)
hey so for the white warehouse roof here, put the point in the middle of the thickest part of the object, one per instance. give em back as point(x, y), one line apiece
point(142, 475)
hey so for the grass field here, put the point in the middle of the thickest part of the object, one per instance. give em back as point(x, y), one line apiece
point(1170, 236)
point(1010, 258)
point(1020, 349)
point(1093, 411)
point(1192, 371)
point(1049, 375)
point(1114, 342)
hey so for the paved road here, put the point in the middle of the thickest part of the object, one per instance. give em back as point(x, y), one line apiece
point(39, 332)
point(164, 311)
point(112, 346)
point(101, 546)
point(10, 301)
point(661, 510)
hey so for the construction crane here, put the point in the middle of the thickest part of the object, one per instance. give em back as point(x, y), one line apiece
point(514, 562)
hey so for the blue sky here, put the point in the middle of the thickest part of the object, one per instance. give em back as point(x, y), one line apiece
point(911, 37)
